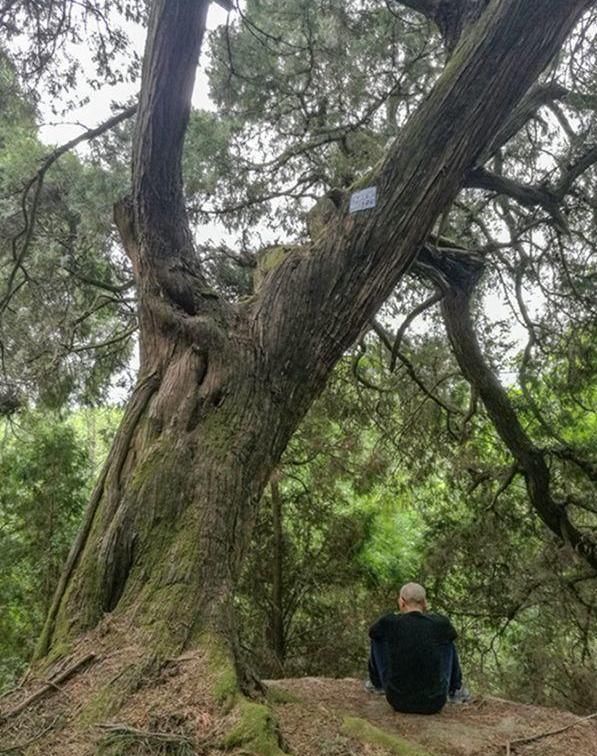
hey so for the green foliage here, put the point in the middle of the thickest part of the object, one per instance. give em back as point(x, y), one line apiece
point(392, 476)
point(65, 318)
point(375, 491)
point(46, 468)
point(349, 540)
point(309, 91)
point(45, 53)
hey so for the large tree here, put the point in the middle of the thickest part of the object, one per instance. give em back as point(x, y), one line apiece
point(224, 384)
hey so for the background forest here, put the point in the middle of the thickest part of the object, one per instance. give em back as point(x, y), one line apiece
point(398, 471)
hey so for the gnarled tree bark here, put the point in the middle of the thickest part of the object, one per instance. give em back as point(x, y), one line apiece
point(452, 17)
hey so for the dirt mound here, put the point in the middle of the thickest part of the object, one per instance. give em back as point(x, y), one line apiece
point(328, 715)
point(186, 707)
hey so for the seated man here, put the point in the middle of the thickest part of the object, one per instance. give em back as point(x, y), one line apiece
point(413, 657)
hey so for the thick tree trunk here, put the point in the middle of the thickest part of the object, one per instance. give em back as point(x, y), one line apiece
point(176, 504)
point(223, 387)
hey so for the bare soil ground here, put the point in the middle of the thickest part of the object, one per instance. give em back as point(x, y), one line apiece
point(313, 725)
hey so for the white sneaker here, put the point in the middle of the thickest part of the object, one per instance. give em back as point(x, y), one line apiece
point(460, 696)
point(370, 688)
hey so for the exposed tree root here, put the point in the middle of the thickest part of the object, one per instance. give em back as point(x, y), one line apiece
point(256, 731)
point(512, 744)
point(121, 738)
point(48, 686)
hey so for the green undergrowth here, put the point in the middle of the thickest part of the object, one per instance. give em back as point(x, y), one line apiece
point(367, 733)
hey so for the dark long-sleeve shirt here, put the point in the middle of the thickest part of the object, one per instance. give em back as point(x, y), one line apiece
point(413, 648)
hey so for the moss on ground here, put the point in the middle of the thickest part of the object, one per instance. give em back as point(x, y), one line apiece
point(364, 731)
point(281, 696)
point(255, 732)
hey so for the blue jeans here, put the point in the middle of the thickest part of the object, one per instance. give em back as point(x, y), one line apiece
point(450, 666)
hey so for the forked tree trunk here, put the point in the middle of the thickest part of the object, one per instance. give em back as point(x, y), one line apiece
point(222, 387)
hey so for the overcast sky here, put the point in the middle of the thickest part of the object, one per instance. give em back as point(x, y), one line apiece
point(57, 131)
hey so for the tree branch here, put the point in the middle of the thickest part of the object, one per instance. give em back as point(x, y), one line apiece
point(356, 262)
point(35, 185)
point(389, 343)
point(574, 170)
point(174, 39)
point(538, 95)
point(157, 229)
point(426, 7)
point(529, 196)
point(452, 17)
point(460, 329)
point(420, 308)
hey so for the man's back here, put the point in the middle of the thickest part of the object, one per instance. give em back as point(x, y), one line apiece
point(415, 645)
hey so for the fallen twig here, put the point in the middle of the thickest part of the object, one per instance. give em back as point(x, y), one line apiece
point(50, 685)
point(26, 743)
point(9, 691)
point(115, 730)
point(511, 744)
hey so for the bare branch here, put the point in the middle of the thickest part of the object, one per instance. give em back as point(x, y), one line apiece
point(35, 185)
point(429, 302)
point(426, 7)
point(526, 195)
point(505, 484)
point(389, 343)
point(574, 170)
point(538, 95)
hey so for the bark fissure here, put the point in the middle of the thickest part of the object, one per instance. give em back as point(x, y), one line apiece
point(113, 465)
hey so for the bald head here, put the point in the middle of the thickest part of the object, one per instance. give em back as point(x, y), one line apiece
point(412, 598)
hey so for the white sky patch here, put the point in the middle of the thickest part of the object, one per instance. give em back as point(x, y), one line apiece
point(98, 108)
